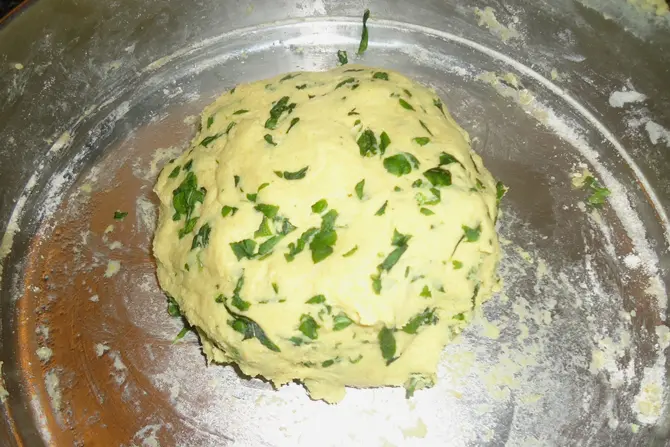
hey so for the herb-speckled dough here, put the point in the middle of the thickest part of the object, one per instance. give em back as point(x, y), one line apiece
point(390, 268)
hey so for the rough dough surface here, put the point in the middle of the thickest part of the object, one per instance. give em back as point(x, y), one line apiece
point(334, 228)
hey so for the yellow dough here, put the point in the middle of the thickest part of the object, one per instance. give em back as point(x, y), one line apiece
point(334, 228)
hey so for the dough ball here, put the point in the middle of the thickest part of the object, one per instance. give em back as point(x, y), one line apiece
point(334, 228)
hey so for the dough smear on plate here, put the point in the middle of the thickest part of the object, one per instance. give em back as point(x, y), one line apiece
point(334, 228)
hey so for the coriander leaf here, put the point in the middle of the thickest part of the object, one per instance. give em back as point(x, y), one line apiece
point(240, 112)
point(210, 121)
point(188, 227)
point(263, 229)
point(397, 165)
point(350, 252)
point(346, 81)
point(250, 329)
point(392, 259)
point(201, 239)
point(299, 246)
point(459, 317)
point(120, 215)
point(457, 264)
point(327, 363)
point(230, 126)
point(298, 341)
point(598, 195)
point(381, 75)
point(400, 239)
point(276, 111)
point(376, 283)
point(359, 189)
point(175, 172)
point(437, 103)
point(320, 206)
point(269, 211)
point(286, 227)
point(328, 220)
point(367, 143)
point(301, 86)
point(317, 299)
point(237, 301)
point(475, 292)
point(446, 159)
point(387, 344)
point(421, 141)
point(322, 245)
point(407, 92)
point(173, 307)
point(297, 175)
point(267, 246)
point(405, 104)
point(275, 287)
point(416, 382)
point(262, 187)
point(356, 360)
point(252, 197)
point(425, 292)
point(501, 190)
point(426, 127)
point(289, 76)
point(186, 196)
point(384, 142)
point(341, 321)
point(438, 177)
point(207, 140)
point(269, 139)
point(425, 318)
point(294, 121)
point(364, 35)
point(342, 57)
point(426, 212)
point(237, 180)
point(353, 112)
point(244, 249)
point(471, 234)
point(309, 327)
point(181, 334)
point(382, 210)
point(417, 183)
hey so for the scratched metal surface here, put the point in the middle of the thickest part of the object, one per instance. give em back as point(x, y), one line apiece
point(95, 98)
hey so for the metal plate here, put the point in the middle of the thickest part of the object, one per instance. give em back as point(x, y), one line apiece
point(572, 352)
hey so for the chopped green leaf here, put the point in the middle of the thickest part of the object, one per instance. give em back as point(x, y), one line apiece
point(426, 212)
point(230, 127)
point(384, 142)
point(382, 210)
point(309, 327)
point(359, 189)
point(299, 246)
point(446, 159)
point(286, 227)
point(323, 241)
point(426, 127)
point(244, 249)
point(267, 137)
point(263, 229)
point(186, 196)
point(327, 363)
point(237, 301)
point(188, 227)
point(381, 75)
point(346, 81)
point(120, 215)
point(210, 121)
point(317, 299)
point(437, 103)
point(501, 190)
point(237, 180)
point(298, 341)
point(341, 321)
point(342, 57)
point(471, 234)
point(425, 292)
point(320, 206)
point(185, 330)
point(416, 382)
point(425, 318)
point(438, 177)
point(367, 143)
point(387, 344)
point(364, 35)
point(250, 329)
point(301, 86)
point(269, 211)
point(350, 252)
point(376, 283)
point(252, 197)
point(297, 175)
point(392, 259)
point(175, 172)
point(173, 307)
point(599, 193)
point(275, 287)
point(400, 239)
point(421, 141)
point(201, 239)
point(459, 317)
point(356, 360)
point(417, 183)
point(400, 164)
point(240, 112)
point(188, 165)
point(294, 121)
point(405, 104)
point(267, 246)
point(457, 264)
point(207, 140)
point(276, 111)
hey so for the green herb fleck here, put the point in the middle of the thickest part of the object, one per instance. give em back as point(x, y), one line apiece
point(471, 234)
point(252, 197)
point(356, 360)
point(457, 264)
point(381, 75)
point(175, 172)
point(438, 177)
point(328, 363)
point(230, 127)
point(269, 211)
point(263, 229)
point(173, 307)
point(364, 35)
point(342, 57)
point(275, 287)
point(237, 301)
point(446, 159)
point(425, 292)
point(323, 241)
point(309, 327)
point(599, 193)
point(426, 212)
point(387, 344)
point(425, 318)
point(294, 121)
point(185, 330)
point(201, 239)
point(501, 190)
point(237, 180)
point(341, 321)
point(350, 252)
point(186, 196)
point(437, 103)
point(267, 246)
point(346, 81)
point(459, 317)
point(244, 249)
point(276, 112)
point(421, 141)
point(297, 175)
point(240, 112)
point(317, 299)
point(405, 104)
point(210, 121)
point(384, 142)
point(207, 140)
point(299, 246)
point(250, 329)
point(367, 143)
point(400, 164)
point(120, 215)
point(382, 210)
point(320, 206)
point(269, 139)
point(426, 127)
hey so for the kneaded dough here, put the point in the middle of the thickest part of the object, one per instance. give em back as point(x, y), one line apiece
point(333, 228)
